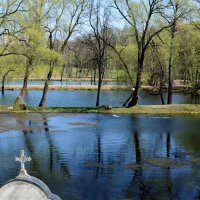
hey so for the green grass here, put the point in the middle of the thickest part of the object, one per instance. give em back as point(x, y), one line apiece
point(177, 109)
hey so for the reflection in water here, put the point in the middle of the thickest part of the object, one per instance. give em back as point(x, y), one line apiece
point(129, 157)
point(137, 187)
point(137, 148)
point(168, 171)
point(195, 98)
point(168, 145)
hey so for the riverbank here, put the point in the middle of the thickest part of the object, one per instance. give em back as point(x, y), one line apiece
point(64, 79)
point(94, 87)
point(175, 109)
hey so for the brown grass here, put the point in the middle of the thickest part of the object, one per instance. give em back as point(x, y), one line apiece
point(88, 87)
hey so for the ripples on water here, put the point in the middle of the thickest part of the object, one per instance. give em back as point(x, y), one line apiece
point(96, 156)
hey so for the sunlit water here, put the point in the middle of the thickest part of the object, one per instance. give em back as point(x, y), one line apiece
point(87, 98)
point(97, 156)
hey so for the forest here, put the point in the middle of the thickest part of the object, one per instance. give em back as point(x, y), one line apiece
point(153, 43)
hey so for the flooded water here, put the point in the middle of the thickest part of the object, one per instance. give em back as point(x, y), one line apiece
point(109, 157)
point(85, 98)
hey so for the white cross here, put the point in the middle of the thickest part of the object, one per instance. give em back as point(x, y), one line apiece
point(22, 159)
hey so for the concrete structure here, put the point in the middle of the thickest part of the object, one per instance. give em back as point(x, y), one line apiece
point(25, 187)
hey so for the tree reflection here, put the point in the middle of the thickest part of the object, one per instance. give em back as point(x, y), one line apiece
point(99, 155)
point(168, 174)
point(54, 155)
point(168, 145)
point(137, 148)
point(195, 98)
point(137, 187)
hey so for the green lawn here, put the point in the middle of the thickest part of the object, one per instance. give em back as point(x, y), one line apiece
point(158, 109)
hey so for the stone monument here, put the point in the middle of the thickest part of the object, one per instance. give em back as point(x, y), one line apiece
point(26, 187)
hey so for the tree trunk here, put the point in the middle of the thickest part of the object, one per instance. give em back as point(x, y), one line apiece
point(95, 76)
point(70, 72)
point(46, 86)
point(87, 73)
point(169, 97)
point(170, 80)
point(161, 73)
point(19, 99)
point(99, 84)
point(134, 97)
point(3, 79)
point(161, 96)
point(91, 78)
point(161, 84)
point(62, 73)
point(80, 73)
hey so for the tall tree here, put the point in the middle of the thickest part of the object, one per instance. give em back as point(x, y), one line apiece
point(62, 20)
point(178, 10)
point(96, 41)
point(141, 17)
point(30, 43)
point(54, 12)
point(175, 6)
point(75, 14)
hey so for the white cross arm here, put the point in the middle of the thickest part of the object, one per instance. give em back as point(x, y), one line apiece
point(22, 159)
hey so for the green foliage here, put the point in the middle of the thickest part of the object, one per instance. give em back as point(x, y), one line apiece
point(188, 54)
point(31, 41)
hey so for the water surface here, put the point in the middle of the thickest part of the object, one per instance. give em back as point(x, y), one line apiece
point(85, 98)
point(98, 156)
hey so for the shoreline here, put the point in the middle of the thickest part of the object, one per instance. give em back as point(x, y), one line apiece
point(58, 79)
point(173, 109)
point(95, 87)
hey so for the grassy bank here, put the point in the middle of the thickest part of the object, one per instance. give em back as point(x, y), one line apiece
point(158, 109)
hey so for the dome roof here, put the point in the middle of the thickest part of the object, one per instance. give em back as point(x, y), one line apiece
point(25, 187)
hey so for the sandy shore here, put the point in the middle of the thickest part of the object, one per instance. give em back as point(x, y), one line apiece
point(90, 87)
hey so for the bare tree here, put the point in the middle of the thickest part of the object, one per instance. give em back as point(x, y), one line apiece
point(75, 14)
point(144, 31)
point(57, 27)
point(119, 54)
point(161, 69)
point(8, 11)
point(98, 20)
point(51, 27)
point(178, 9)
